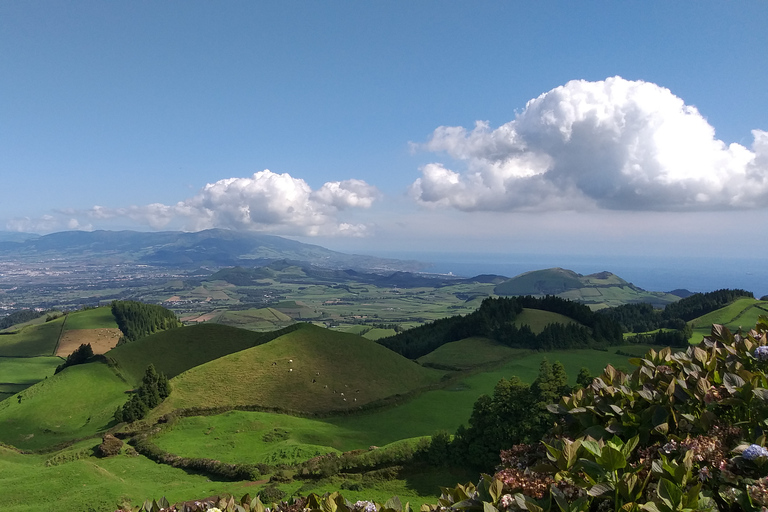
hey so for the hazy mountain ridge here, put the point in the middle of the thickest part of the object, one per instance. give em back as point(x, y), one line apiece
point(213, 247)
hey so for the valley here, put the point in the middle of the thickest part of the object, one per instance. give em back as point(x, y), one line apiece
point(289, 378)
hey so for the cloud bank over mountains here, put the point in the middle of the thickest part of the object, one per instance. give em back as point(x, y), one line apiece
point(614, 144)
point(584, 146)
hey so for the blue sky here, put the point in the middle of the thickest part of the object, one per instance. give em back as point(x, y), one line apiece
point(607, 127)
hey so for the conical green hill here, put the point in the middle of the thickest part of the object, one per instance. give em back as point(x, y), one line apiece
point(177, 350)
point(311, 369)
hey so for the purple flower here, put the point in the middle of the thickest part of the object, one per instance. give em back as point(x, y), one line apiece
point(761, 353)
point(754, 451)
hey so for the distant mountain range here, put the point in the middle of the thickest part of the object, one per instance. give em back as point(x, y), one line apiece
point(212, 247)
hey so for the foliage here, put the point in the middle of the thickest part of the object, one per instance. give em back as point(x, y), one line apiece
point(136, 319)
point(495, 319)
point(109, 446)
point(154, 389)
point(81, 355)
point(516, 413)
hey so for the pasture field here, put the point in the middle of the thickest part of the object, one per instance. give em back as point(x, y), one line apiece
point(310, 369)
point(742, 312)
point(19, 373)
point(428, 413)
point(37, 321)
point(100, 340)
point(470, 352)
point(73, 481)
point(35, 340)
point(96, 318)
point(78, 402)
point(346, 304)
point(262, 319)
point(538, 319)
point(176, 350)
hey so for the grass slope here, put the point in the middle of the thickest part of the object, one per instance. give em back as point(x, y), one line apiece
point(76, 403)
point(96, 318)
point(177, 350)
point(35, 340)
point(538, 319)
point(235, 434)
point(71, 481)
point(262, 319)
point(469, 352)
point(342, 366)
point(741, 312)
point(18, 373)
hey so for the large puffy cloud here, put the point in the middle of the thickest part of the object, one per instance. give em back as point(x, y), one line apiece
point(614, 144)
point(266, 202)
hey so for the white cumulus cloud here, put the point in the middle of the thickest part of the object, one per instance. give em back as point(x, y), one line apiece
point(614, 144)
point(266, 202)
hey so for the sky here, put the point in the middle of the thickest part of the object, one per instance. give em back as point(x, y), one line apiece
point(619, 128)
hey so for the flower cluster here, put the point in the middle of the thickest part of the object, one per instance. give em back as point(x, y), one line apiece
point(365, 506)
point(761, 353)
point(754, 451)
point(535, 485)
point(759, 491)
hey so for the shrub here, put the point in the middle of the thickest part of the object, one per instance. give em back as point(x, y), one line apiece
point(110, 446)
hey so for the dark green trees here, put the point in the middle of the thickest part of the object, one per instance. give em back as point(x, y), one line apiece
point(154, 389)
point(81, 355)
point(516, 413)
point(136, 319)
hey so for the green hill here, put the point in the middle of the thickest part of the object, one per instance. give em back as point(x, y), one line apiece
point(78, 402)
point(743, 312)
point(310, 369)
point(34, 340)
point(177, 350)
point(599, 290)
point(538, 319)
point(468, 353)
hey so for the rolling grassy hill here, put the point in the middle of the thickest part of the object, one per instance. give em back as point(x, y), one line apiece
point(742, 312)
point(310, 369)
point(33, 340)
point(468, 353)
point(78, 402)
point(599, 290)
point(177, 350)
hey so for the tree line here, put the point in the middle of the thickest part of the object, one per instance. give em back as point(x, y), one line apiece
point(642, 317)
point(19, 317)
point(137, 320)
point(495, 319)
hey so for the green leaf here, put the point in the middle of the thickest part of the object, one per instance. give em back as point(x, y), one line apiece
point(488, 507)
point(328, 505)
point(394, 503)
point(669, 493)
point(592, 447)
point(612, 458)
point(496, 490)
point(600, 489)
